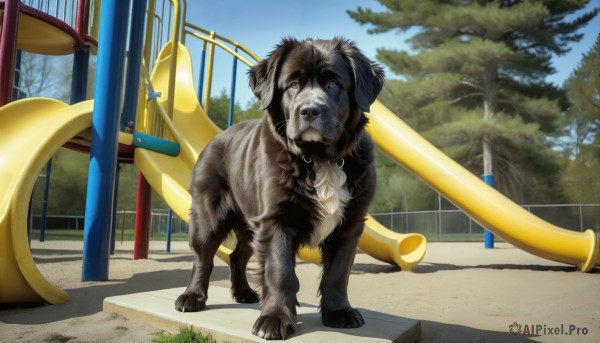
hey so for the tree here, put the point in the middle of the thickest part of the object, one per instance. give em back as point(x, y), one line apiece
point(477, 78)
point(583, 129)
point(583, 90)
point(47, 76)
point(219, 110)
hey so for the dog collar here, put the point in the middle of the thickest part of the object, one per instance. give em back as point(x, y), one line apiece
point(338, 163)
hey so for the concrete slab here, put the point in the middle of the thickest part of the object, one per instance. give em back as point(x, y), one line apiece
point(228, 321)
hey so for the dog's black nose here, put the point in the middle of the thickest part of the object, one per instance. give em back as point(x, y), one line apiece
point(310, 111)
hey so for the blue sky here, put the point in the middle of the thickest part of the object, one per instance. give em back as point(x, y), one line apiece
point(260, 24)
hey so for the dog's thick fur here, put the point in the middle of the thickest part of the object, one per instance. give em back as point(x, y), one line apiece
point(303, 175)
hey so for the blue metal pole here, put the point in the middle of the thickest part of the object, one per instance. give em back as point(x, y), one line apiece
point(201, 74)
point(17, 92)
point(81, 62)
point(232, 98)
point(113, 225)
point(103, 151)
point(169, 229)
point(44, 220)
point(488, 237)
point(134, 65)
point(30, 219)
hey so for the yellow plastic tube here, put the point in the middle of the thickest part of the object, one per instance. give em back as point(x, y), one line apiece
point(32, 131)
point(481, 202)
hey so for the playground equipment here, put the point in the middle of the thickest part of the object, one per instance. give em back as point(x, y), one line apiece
point(36, 128)
point(28, 140)
point(481, 202)
point(186, 124)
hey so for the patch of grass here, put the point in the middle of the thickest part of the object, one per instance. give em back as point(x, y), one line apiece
point(185, 335)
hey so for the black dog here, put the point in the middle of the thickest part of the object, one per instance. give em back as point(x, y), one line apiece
point(302, 175)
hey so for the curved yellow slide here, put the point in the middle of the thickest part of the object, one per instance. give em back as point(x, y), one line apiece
point(32, 131)
point(481, 202)
point(169, 176)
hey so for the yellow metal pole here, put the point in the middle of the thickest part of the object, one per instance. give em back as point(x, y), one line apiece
point(174, 47)
point(211, 60)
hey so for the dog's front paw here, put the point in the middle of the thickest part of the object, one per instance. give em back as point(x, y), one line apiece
point(342, 319)
point(246, 297)
point(274, 326)
point(190, 302)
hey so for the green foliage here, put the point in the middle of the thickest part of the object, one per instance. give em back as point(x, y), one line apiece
point(583, 126)
point(581, 178)
point(68, 184)
point(219, 110)
point(583, 88)
point(252, 111)
point(398, 190)
point(185, 335)
point(472, 60)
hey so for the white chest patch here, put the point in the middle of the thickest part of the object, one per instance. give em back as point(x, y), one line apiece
point(332, 195)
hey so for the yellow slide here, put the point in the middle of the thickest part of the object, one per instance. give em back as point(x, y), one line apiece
point(32, 131)
point(481, 202)
point(169, 176)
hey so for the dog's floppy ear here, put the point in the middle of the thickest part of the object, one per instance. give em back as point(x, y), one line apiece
point(368, 76)
point(263, 76)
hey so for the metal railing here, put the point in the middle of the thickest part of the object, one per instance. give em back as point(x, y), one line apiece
point(210, 41)
point(167, 26)
point(155, 109)
point(125, 220)
point(454, 225)
point(67, 12)
point(63, 10)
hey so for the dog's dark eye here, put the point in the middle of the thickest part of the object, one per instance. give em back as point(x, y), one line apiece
point(294, 85)
point(331, 84)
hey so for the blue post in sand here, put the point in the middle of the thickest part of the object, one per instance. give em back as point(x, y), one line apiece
point(201, 75)
point(44, 219)
point(81, 61)
point(113, 224)
point(232, 98)
point(169, 229)
point(488, 237)
point(103, 151)
point(134, 65)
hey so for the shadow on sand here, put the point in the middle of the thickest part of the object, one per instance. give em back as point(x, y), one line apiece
point(425, 268)
point(88, 300)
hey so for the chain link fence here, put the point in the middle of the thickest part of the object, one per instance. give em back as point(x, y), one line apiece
point(438, 225)
point(125, 221)
point(454, 225)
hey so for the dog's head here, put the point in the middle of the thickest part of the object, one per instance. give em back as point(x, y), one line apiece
point(315, 93)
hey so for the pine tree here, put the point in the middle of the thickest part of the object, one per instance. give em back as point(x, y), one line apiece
point(583, 129)
point(583, 90)
point(475, 82)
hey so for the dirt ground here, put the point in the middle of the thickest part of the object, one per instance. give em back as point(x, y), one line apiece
point(460, 292)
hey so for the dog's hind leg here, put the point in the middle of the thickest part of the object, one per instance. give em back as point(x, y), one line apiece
point(238, 261)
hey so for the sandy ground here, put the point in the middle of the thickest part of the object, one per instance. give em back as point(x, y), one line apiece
point(461, 293)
